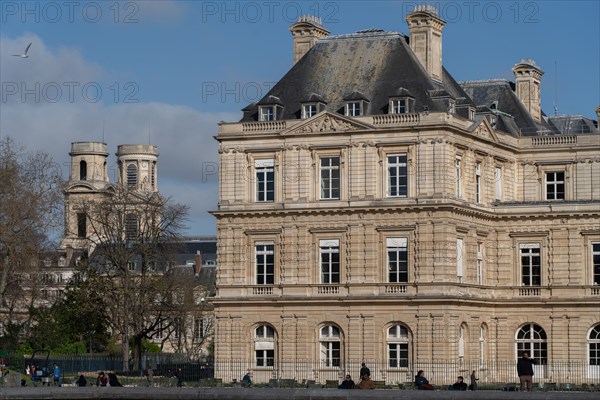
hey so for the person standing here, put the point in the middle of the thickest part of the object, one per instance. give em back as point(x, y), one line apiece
point(56, 374)
point(179, 376)
point(473, 385)
point(525, 371)
point(364, 370)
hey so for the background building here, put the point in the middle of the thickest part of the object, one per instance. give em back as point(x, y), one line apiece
point(373, 209)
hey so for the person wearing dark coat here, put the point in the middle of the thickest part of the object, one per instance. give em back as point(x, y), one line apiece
point(525, 371)
point(347, 383)
point(113, 380)
point(81, 381)
point(364, 371)
point(460, 384)
point(421, 382)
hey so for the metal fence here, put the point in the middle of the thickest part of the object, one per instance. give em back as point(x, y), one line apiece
point(437, 372)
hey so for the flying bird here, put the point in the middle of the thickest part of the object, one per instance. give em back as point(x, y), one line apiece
point(24, 55)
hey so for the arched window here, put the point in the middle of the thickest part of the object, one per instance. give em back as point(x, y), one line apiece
point(132, 176)
point(594, 345)
point(131, 226)
point(482, 345)
point(532, 339)
point(82, 170)
point(398, 346)
point(330, 345)
point(264, 346)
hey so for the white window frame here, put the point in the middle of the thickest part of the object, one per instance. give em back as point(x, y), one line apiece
point(458, 170)
point(399, 106)
point(460, 252)
point(262, 170)
point(397, 344)
point(478, 182)
point(528, 250)
point(498, 182)
point(264, 346)
point(354, 108)
point(397, 247)
point(551, 185)
point(595, 247)
point(330, 342)
point(309, 110)
point(332, 176)
point(267, 113)
point(396, 169)
point(480, 263)
point(329, 248)
point(262, 267)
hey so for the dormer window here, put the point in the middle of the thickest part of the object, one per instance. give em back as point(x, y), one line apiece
point(267, 113)
point(471, 113)
point(270, 109)
point(356, 104)
point(451, 106)
point(353, 109)
point(402, 102)
point(309, 110)
point(399, 106)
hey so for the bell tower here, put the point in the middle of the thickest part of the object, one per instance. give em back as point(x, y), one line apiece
point(88, 179)
point(138, 168)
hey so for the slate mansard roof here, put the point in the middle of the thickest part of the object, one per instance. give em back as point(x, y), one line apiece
point(375, 64)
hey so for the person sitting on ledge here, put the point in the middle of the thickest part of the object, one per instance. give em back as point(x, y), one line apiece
point(422, 382)
point(366, 383)
point(247, 379)
point(460, 384)
point(347, 383)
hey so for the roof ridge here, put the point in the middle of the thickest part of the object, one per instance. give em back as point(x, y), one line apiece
point(362, 34)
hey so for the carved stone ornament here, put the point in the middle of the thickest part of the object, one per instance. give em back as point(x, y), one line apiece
point(327, 123)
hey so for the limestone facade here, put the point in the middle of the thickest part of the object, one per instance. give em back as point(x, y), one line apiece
point(407, 239)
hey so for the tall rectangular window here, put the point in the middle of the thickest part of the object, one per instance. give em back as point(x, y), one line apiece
point(458, 169)
point(459, 260)
point(330, 178)
point(478, 182)
point(265, 180)
point(555, 185)
point(265, 263)
point(81, 225)
point(330, 261)
point(530, 265)
point(596, 262)
point(498, 180)
point(397, 254)
point(397, 175)
point(480, 263)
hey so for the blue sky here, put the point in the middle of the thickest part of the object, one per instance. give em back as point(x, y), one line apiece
point(169, 71)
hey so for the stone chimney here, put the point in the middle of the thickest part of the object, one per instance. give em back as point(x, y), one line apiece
point(598, 115)
point(425, 28)
point(305, 34)
point(527, 82)
point(198, 263)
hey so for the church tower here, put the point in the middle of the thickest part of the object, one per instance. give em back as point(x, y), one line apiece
point(138, 167)
point(88, 179)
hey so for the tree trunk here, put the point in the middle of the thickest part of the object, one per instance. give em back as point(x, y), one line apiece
point(137, 351)
point(125, 347)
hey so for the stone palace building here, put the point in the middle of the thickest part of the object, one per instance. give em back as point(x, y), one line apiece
point(372, 209)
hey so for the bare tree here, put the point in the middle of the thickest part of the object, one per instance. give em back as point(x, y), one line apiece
point(191, 319)
point(30, 211)
point(128, 231)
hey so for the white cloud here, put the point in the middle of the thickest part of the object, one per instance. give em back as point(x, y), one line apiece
point(184, 136)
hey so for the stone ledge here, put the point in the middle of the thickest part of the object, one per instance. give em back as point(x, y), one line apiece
point(111, 393)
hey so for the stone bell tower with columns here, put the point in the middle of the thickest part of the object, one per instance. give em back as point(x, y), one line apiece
point(88, 179)
point(138, 167)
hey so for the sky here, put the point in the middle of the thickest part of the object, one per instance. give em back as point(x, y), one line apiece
point(167, 72)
